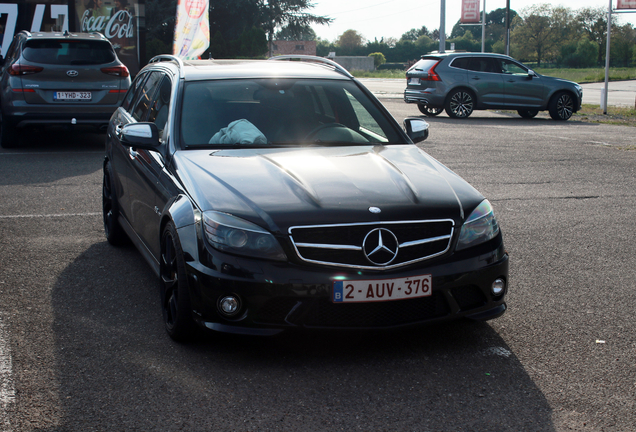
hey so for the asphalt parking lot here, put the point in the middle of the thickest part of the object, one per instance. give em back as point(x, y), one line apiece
point(82, 344)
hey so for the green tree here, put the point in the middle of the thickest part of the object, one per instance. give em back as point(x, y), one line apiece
point(296, 33)
point(414, 34)
point(593, 23)
point(350, 39)
point(623, 45)
point(542, 30)
point(287, 13)
point(378, 58)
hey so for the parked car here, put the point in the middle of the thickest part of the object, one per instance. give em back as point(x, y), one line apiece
point(59, 79)
point(275, 195)
point(463, 82)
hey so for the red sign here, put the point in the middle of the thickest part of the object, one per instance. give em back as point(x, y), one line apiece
point(625, 4)
point(470, 11)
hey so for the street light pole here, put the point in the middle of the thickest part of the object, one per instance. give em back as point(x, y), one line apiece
point(442, 27)
point(508, 27)
point(607, 56)
point(483, 28)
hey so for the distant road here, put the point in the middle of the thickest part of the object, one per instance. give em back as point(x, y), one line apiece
point(621, 93)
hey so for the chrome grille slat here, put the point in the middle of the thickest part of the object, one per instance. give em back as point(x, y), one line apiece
point(341, 245)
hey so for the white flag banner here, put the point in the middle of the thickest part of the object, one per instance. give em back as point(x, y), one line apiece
point(192, 30)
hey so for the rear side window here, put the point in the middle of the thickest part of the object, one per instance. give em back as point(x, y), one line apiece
point(461, 62)
point(425, 64)
point(69, 52)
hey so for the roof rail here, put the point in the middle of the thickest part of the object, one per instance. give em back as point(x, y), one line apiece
point(169, 58)
point(315, 59)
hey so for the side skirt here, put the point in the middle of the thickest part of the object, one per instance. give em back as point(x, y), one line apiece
point(140, 245)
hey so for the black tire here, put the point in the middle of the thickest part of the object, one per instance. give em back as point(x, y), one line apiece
point(115, 234)
point(460, 104)
point(175, 297)
point(528, 114)
point(561, 106)
point(8, 134)
point(428, 111)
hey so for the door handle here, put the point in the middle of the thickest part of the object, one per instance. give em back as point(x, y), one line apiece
point(132, 152)
point(476, 78)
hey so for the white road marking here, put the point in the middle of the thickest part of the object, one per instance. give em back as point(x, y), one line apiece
point(48, 215)
point(7, 391)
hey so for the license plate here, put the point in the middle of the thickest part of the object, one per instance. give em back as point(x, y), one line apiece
point(72, 96)
point(414, 81)
point(363, 291)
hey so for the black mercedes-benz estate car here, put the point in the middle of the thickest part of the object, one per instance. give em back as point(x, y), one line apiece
point(272, 195)
point(461, 82)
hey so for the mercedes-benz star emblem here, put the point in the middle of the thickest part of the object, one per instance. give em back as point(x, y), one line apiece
point(72, 73)
point(380, 246)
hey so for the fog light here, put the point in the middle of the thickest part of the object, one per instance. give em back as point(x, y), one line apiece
point(229, 305)
point(498, 287)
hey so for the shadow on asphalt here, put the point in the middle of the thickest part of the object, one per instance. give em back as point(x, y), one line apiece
point(118, 370)
point(47, 152)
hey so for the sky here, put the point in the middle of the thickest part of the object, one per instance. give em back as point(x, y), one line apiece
point(392, 18)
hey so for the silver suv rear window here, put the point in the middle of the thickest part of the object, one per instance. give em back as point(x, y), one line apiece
point(63, 52)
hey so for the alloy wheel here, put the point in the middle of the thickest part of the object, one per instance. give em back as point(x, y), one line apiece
point(461, 104)
point(169, 281)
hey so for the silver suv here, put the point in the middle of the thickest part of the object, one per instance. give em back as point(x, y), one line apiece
point(59, 79)
point(462, 82)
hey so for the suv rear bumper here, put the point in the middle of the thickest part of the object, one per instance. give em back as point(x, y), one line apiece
point(424, 97)
point(22, 120)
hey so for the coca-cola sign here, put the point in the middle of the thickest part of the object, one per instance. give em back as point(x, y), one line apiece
point(120, 25)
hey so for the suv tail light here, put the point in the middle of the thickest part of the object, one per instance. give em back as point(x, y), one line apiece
point(432, 75)
point(18, 70)
point(120, 71)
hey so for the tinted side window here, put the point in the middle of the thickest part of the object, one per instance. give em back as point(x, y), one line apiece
point(483, 64)
point(159, 109)
point(136, 84)
point(144, 96)
point(461, 63)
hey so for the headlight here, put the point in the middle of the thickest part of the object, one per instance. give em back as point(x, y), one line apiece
point(228, 233)
point(480, 227)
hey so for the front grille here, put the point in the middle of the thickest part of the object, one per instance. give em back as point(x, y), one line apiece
point(344, 245)
point(323, 313)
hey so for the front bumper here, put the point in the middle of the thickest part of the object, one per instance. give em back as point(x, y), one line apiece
point(278, 297)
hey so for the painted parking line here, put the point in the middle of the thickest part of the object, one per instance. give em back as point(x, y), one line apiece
point(53, 215)
point(7, 390)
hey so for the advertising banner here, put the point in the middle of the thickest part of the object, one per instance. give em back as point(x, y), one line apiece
point(470, 11)
point(192, 30)
point(39, 15)
point(625, 4)
point(117, 22)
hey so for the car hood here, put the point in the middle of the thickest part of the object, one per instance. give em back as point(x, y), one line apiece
point(558, 80)
point(278, 188)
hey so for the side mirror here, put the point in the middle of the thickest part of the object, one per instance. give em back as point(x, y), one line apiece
point(531, 74)
point(416, 129)
point(140, 135)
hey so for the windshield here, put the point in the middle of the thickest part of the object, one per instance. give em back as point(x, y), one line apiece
point(281, 112)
